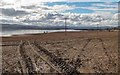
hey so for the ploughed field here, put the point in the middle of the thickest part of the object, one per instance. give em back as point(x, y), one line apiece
point(69, 55)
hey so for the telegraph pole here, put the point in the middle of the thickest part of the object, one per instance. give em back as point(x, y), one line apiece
point(65, 26)
point(97, 29)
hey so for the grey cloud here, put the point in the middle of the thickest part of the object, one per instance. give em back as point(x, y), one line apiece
point(43, 7)
point(29, 7)
point(35, 7)
point(13, 12)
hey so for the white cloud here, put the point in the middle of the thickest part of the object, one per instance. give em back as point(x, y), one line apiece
point(60, 8)
point(106, 15)
point(110, 4)
point(101, 9)
point(49, 19)
point(40, 14)
point(83, 0)
point(116, 16)
point(106, 7)
point(73, 19)
point(38, 1)
point(35, 2)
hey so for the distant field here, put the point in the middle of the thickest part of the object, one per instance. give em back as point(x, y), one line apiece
point(71, 53)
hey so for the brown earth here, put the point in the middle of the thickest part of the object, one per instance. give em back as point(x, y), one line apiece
point(86, 52)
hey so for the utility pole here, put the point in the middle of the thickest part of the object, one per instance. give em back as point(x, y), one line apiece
point(97, 27)
point(65, 26)
point(97, 30)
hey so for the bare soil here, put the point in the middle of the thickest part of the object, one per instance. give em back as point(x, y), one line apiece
point(81, 52)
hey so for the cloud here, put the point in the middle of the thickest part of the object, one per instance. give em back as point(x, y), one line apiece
point(110, 7)
point(116, 16)
point(50, 19)
point(99, 9)
point(28, 7)
point(44, 15)
point(40, 9)
point(107, 4)
point(13, 12)
point(36, 1)
point(29, 2)
point(83, 0)
point(61, 7)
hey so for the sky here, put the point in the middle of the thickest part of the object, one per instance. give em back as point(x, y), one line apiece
point(53, 12)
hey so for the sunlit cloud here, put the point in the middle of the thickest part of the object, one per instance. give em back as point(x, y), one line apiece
point(38, 12)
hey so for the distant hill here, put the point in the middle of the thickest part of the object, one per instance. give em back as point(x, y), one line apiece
point(9, 27)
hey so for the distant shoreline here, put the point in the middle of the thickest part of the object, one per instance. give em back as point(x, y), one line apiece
point(61, 35)
point(34, 32)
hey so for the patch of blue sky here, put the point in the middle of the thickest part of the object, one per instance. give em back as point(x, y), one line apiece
point(102, 7)
point(84, 4)
point(110, 0)
point(78, 4)
point(79, 10)
point(81, 4)
point(109, 11)
point(55, 3)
